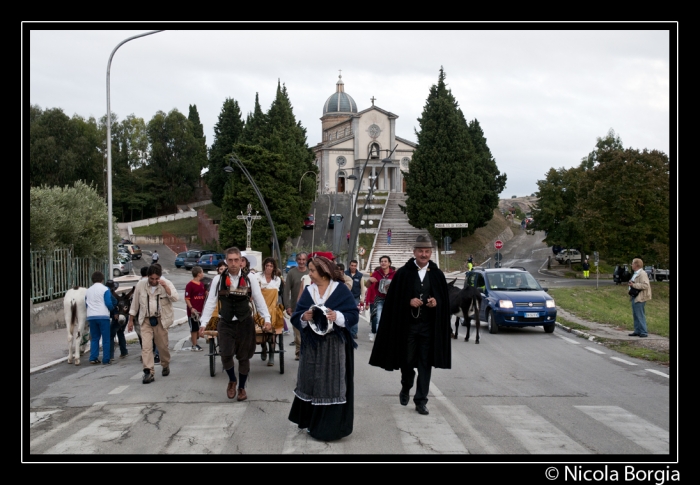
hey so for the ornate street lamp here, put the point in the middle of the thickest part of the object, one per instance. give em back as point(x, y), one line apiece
point(275, 242)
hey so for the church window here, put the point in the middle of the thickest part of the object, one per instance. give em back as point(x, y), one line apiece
point(341, 161)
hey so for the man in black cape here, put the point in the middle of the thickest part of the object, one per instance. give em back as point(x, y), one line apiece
point(414, 331)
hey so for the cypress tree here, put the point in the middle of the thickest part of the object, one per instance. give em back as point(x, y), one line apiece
point(227, 131)
point(198, 131)
point(441, 183)
point(491, 181)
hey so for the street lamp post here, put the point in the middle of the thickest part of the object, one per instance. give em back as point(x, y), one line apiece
point(355, 225)
point(110, 229)
point(275, 241)
point(337, 234)
point(302, 178)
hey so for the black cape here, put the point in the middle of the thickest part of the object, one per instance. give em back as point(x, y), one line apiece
point(391, 342)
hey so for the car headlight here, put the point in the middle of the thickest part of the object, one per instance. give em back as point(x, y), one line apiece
point(550, 304)
point(505, 303)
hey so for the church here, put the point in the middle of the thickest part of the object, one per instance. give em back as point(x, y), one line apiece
point(350, 137)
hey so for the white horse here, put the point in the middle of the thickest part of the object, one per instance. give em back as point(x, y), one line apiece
point(75, 313)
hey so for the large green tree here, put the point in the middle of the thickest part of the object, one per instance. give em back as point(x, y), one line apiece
point(174, 151)
point(490, 180)
point(227, 132)
point(198, 130)
point(71, 216)
point(441, 183)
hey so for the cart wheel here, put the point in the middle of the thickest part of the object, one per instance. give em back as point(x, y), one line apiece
point(281, 352)
point(212, 353)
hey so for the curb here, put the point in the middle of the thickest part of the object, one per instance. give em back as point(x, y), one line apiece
point(579, 333)
point(128, 336)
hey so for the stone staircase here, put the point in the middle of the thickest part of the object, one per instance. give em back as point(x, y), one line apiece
point(403, 235)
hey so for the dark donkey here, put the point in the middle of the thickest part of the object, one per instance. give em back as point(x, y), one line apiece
point(465, 303)
point(120, 315)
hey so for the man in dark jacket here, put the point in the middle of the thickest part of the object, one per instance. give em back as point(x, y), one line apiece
point(415, 325)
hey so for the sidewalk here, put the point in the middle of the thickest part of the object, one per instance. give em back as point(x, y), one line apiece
point(50, 348)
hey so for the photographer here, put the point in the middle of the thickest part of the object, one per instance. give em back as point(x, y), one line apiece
point(640, 282)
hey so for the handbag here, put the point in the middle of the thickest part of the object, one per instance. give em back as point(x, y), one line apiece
point(633, 292)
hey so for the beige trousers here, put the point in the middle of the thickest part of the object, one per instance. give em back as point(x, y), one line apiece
point(148, 334)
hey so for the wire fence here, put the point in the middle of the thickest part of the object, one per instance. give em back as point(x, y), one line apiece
point(55, 272)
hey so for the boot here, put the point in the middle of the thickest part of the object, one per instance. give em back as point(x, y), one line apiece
point(271, 361)
point(263, 355)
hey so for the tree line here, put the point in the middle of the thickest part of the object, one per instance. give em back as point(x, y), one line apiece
point(157, 165)
point(616, 202)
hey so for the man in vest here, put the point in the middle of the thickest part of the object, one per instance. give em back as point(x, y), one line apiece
point(233, 290)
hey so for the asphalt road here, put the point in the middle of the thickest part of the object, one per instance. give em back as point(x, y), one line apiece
point(518, 393)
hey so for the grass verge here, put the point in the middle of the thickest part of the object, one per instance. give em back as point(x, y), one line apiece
point(633, 349)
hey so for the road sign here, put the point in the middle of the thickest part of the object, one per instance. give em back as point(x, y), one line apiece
point(451, 225)
point(498, 244)
point(497, 256)
point(447, 252)
point(361, 251)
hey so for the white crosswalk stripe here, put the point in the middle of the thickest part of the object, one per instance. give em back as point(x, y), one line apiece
point(534, 432)
point(111, 425)
point(426, 434)
point(215, 425)
point(298, 441)
point(632, 427)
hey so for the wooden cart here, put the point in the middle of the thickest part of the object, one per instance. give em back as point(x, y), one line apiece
point(212, 337)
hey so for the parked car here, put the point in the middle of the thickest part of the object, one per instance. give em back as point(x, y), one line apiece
point(193, 256)
point(507, 304)
point(291, 262)
point(122, 266)
point(125, 241)
point(309, 221)
point(332, 219)
point(123, 253)
point(568, 255)
point(180, 259)
point(209, 261)
point(656, 273)
point(134, 250)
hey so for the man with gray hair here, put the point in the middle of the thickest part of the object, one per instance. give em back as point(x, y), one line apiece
point(292, 285)
point(639, 282)
point(414, 331)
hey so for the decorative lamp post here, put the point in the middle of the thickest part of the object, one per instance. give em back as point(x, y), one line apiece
point(275, 242)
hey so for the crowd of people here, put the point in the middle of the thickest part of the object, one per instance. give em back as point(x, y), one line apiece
point(321, 300)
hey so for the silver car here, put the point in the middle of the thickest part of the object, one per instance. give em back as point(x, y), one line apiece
point(122, 267)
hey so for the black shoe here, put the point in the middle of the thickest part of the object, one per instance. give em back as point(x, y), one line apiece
point(633, 335)
point(148, 378)
point(156, 360)
point(263, 354)
point(422, 409)
point(643, 336)
point(165, 372)
point(403, 398)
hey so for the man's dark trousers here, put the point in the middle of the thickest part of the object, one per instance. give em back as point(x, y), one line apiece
point(417, 355)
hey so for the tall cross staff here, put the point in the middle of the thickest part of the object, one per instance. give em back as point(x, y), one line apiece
point(249, 219)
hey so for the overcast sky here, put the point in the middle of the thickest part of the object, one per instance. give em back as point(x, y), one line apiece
point(542, 97)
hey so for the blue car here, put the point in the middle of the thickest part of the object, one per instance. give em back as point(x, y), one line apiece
point(210, 261)
point(512, 297)
point(180, 260)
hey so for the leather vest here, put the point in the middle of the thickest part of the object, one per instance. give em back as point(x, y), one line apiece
point(235, 302)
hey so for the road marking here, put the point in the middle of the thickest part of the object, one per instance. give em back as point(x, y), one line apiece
point(40, 439)
point(214, 428)
point(111, 425)
point(426, 434)
point(299, 442)
point(485, 444)
point(595, 350)
point(534, 432)
point(571, 341)
point(658, 372)
point(623, 361)
point(117, 390)
point(36, 417)
point(180, 343)
point(137, 376)
point(632, 427)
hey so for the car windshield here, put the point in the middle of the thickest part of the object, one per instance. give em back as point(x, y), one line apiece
point(512, 281)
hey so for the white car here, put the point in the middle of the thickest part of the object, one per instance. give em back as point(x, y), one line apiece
point(568, 255)
point(122, 267)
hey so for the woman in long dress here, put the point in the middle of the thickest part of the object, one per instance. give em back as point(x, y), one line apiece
point(324, 395)
point(270, 283)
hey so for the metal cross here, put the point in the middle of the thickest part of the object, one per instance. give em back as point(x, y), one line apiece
point(249, 219)
point(372, 99)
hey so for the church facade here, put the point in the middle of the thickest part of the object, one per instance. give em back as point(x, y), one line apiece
point(351, 138)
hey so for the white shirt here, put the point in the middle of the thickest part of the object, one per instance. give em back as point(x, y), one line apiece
point(274, 283)
point(210, 304)
point(421, 271)
point(321, 300)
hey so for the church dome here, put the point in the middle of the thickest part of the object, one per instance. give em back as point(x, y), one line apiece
point(340, 101)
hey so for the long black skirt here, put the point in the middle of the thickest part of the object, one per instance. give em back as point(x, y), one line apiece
point(328, 422)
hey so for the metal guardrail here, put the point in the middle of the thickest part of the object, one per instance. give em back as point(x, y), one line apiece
point(54, 273)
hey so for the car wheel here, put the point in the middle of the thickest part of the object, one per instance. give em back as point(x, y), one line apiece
point(549, 328)
point(490, 322)
point(116, 272)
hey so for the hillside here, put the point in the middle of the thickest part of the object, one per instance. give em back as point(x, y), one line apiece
point(524, 203)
